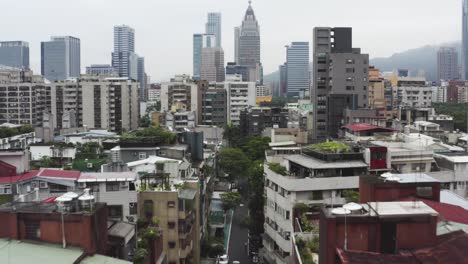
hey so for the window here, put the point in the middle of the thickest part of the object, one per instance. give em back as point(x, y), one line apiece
point(148, 208)
point(57, 188)
point(349, 88)
point(171, 225)
point(171, 204)
point(142, 155)
point(349, 61)
point(364, 88)
point(112, 186)
point(133, 208)
point(349, 70)
point(288, 215)
point(115, 212)
point(317, 195)
point(93, 186)
point(172, 244)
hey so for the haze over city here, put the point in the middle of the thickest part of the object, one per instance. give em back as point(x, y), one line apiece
point(164, 29)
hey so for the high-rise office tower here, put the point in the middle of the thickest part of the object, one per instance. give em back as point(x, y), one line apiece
point(283, 82)
point(142, 78)
point(213, 27)
point(201, 41)
point(124, 59)
point(447, 64)
point(236, 44)
point(212, 65)
point(60, 58)
point(101, 69)
point(14, 54)
point(298, 68)
point(249, 44)
point(465, 40)
point(340, 79)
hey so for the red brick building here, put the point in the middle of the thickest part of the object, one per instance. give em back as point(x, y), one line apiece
point(41, 222)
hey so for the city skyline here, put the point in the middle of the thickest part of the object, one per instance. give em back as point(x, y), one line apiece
point(396, 27)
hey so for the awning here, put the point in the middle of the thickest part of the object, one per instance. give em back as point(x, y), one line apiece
point(50, 200)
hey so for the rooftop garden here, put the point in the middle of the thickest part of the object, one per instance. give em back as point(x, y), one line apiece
point(278, 168)
point(153, 134)
point(332, 147)
point(6, 132)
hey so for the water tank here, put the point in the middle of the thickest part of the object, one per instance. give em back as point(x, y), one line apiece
point(340, 211)
point(86, 200)
point(63, 204)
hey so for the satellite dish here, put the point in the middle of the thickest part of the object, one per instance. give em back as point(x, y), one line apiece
point(352, 207)
point(340, 211)
point(386, 175)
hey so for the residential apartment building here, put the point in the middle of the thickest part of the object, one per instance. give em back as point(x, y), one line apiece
point(101, 69)
point(297, 63)
point(413, 92)
point(447, 64)
point(177, 209)
point(201, 41)
point(98, 102)
point(181, 120)
point(283, 81)
point(154, 93)
point(340, 81)
point(180, 94)
point(312, 178)
point(240, 95)
point(439, 93)
point(124, 58)
point(14, 54)
point(61, 58)
point(24, 97)
point(212, 65)
point(376, 92)
point(213, 106)
point(254, 120)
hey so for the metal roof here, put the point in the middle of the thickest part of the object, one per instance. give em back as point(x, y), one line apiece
point(313, 163)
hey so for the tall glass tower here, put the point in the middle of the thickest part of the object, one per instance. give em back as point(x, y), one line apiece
point(124, 59)
point(249, 40)
point(213, 27)
point(60, 58)
point(465, 40)
point(297, 68)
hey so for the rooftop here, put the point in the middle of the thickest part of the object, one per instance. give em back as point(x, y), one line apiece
point(151, 160)
point(401, 208)
point(107, 176)
point(366, 127)
point(313, 163)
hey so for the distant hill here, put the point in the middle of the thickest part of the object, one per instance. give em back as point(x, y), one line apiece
point(423, 58)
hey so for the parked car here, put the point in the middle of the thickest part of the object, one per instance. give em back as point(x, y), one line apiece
point(224, 259)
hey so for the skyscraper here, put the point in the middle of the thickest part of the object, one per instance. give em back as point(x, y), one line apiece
point(340, 79)
point(212, 65)
point(249, 43)
point(283, 81)
point(447, 64)
point(465, 40)
point(124, 59)
point(297, 55)
point(14, 54)
point(236, 44)
point(142, 78)
point(201, 41)
point(213, 27)
point(60, 58)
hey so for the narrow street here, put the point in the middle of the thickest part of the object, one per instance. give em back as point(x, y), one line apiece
point(237, 250)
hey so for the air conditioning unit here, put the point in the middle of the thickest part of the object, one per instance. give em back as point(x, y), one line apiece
point(82, 185)
point(43, 185)
point(89, 165)
point(124, 184)
point(34, 184)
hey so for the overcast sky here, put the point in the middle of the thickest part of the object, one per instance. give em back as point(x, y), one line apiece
point(164, 28)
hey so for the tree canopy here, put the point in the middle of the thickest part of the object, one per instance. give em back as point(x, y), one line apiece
point(14, 131)
point(230, 200)
point(234, 162)
point(457, 111)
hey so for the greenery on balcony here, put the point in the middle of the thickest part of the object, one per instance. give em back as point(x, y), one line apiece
point(351, 196)
point(148, 231)
point(306, 248)
point(332, 147)
point(6, 132)
point(278, 168)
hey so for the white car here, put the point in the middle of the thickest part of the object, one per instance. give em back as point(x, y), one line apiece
point(224, 259)
point(235, 262)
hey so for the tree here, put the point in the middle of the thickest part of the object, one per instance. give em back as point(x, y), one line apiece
point(154, 107)
point(230, 200)
point(234, 162)
point(255, 147)
point(256, 199)
point(145, 121)
point(351, 196)
point(233, 135)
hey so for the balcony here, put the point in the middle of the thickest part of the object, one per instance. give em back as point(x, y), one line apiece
point(185, 248)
